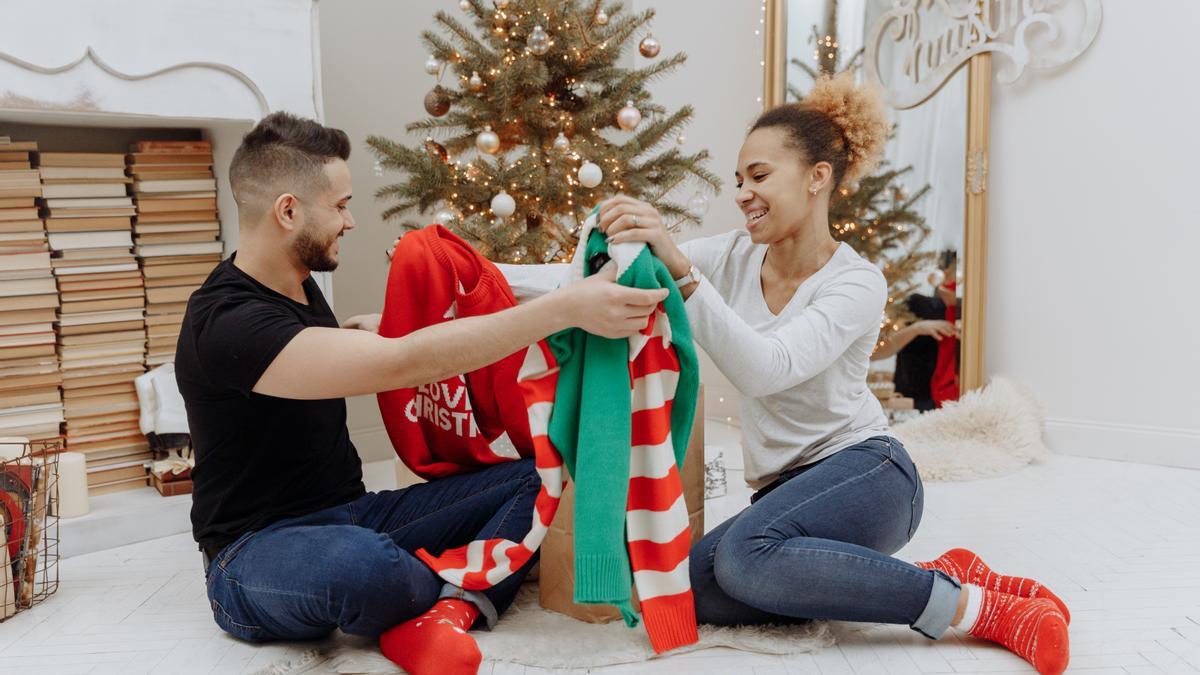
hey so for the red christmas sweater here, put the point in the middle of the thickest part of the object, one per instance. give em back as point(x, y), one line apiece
point(451, 426)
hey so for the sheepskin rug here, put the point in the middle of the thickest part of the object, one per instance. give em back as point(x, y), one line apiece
point(990, 432)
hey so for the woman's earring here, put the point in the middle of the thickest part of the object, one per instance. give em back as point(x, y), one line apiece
point(813, 190)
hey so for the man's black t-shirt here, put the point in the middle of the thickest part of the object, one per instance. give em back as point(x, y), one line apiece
point(258, 458)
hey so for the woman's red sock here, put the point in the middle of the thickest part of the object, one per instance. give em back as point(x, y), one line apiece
point(969, 568)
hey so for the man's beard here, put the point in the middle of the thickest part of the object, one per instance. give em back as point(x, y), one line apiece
point(314, 253)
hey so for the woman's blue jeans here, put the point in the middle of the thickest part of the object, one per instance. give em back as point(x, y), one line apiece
point(815, 544)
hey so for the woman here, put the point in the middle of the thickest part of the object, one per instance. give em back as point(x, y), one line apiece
point(791, 317)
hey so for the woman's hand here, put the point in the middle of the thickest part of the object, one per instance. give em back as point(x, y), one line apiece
point(625, 219)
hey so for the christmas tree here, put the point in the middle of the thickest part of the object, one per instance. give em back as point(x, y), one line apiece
point(534, 121)
point(875, 215)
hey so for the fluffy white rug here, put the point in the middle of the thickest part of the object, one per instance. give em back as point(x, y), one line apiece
point(990, 432)
point(531, 636)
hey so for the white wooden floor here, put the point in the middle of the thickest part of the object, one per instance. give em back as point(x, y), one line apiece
point(1120, 542)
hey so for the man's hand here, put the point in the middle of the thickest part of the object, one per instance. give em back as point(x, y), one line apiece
point(367, 322)
point(600, 305)
point(935, 328)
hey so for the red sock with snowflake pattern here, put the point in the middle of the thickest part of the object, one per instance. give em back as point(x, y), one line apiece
point(436, 643)
point(1031, 628)
point(969, 568)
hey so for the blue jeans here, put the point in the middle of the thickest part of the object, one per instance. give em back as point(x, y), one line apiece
point(815, 543)
point(352, 566)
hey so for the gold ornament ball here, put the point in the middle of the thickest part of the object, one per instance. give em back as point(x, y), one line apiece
point(629, 117)
point(501, 4)
point(649, 47)
point(487, 141)
point(601, 18)
point(476, 82)
point(538, 42)
point(437, 101)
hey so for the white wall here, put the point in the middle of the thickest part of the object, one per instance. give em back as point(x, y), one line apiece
point(374, 82)
point(1093, 239)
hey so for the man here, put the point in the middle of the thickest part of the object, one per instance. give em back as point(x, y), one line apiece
point(294, 546)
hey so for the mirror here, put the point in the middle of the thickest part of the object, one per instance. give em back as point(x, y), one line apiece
point(910, 217)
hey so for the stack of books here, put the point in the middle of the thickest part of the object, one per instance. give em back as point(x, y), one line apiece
point(101, 324)
point(30, 401)
point(176, 234)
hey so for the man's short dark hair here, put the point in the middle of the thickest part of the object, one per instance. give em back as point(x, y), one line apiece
point(283, 153)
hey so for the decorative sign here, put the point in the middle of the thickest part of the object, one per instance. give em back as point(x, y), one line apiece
point(917, 45)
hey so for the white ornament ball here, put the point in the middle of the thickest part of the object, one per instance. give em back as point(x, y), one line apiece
point(561, 143)
point(476, 82)
point(590, 175)
point(601, 18)
point(681, 139)
point(487, 141)
point(432, 65)
point(629, 117)
point(698, 205)
point(650, 46)
point(503, 205)
point(464, 5)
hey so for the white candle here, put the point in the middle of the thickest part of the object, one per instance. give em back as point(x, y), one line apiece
point(72, 485)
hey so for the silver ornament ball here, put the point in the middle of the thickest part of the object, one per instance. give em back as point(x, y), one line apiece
point(538, 42)
point(432, 65)
point(698, 205)
point(601, 18)
point(476, 82)
point(561, 144)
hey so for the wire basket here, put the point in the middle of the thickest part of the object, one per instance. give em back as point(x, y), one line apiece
point(28, 523)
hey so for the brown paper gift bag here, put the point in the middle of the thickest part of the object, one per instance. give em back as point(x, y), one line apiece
point(556, 582)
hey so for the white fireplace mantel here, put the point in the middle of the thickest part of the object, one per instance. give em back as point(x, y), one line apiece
point(214, 65)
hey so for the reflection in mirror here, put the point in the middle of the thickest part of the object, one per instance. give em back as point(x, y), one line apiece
point(907, 217)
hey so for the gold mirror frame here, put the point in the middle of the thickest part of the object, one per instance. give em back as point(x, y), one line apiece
point(974, 255)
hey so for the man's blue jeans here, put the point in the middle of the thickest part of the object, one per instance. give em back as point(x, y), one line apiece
point(352, 566)
point(815, 543)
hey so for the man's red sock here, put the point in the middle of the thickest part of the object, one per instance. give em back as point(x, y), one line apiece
point(1031, 628)
point(969, 568)
point(436, 642)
